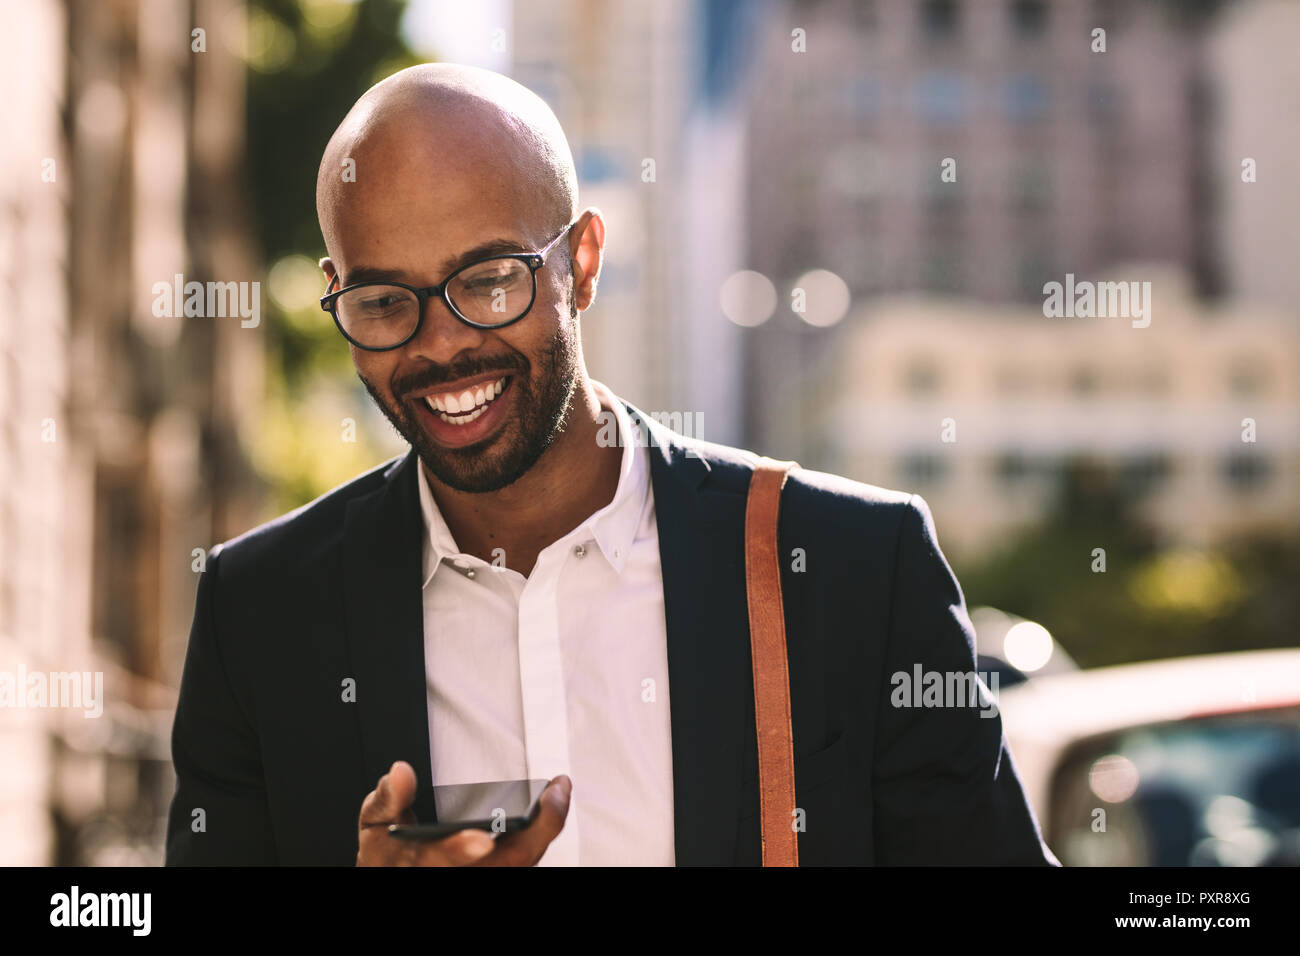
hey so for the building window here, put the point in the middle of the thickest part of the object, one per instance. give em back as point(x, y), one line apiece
point(1104, 102)
point(864, 14)
point(1035, 270)
point(1085, 382)
point(940, 19)
point(597, 164)
point(801, 242)
point(1028, 18)
point(942, 199)
point(1109, 14)
point(923, 468)
point(1026, 98)
point(922, 379)
point(941, 98)
point(1031, 186)
point(941, 271)
point(1143, 474)
point(1013, 468)
point(1245, 472)
point(863, 96)
point(1245, 381)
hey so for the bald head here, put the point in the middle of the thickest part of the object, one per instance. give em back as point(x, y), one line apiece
point(474, 137)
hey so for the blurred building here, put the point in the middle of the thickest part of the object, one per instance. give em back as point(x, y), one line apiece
point(119, 465)
point(1060, 158)
point(979, 408)
point(1256, 156)
point(1065, 158)
point(969, 149)
point(44, 487)
point(650, 96)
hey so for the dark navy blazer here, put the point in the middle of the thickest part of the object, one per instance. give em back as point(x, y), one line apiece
point(278, 762)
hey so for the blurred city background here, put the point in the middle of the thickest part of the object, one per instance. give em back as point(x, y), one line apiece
point(788, 269)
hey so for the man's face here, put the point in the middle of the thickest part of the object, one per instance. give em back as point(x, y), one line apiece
point(495, 443)
point(479, 406)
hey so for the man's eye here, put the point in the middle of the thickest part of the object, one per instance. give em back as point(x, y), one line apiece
point(488, 282)
point(379, 303)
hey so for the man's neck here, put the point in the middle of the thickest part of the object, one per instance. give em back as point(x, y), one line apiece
point(574, 478)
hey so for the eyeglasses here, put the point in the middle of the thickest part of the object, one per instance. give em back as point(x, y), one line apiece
point(488, 294)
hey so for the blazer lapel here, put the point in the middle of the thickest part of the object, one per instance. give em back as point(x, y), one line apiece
point(701, 550)
point(384, 620)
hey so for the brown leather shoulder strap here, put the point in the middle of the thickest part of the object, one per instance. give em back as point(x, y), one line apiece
point(771, 665)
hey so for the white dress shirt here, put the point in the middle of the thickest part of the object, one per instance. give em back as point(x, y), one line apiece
point(563, 671)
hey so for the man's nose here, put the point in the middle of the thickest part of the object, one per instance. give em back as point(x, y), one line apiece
point(442, 335)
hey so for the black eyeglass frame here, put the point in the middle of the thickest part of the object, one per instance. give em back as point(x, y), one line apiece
point(534, 261)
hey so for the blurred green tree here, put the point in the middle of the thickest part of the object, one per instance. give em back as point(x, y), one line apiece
point(1154, 600)
point(308, 62)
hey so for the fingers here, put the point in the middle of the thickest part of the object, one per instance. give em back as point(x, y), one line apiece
point(392, 796)
point(525, 847)
point(391, 801)
point(459, 849)
point(378, 848)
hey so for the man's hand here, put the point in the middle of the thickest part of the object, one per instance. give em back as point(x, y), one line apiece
point(390, 802)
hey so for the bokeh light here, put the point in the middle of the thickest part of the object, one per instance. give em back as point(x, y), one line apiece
point(826, 297)
point(1027, 646)
point(1113, 778)
point(748, 298)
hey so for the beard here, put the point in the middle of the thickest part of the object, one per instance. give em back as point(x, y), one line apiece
point(541, 405)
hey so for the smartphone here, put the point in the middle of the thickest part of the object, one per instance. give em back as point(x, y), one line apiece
point(500, 806)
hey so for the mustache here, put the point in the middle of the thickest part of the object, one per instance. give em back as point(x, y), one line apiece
point(438, 374)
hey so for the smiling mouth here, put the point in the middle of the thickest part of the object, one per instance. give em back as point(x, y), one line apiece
point(463, 407)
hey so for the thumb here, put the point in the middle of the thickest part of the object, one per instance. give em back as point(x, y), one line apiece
point(392, 796)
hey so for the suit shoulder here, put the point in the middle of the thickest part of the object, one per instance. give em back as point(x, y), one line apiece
point(302, 533)
point(813, 497)
point(833, 490)
point(822, 500)
point(732, 467)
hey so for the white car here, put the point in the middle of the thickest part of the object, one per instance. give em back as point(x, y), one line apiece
point(1188, 761)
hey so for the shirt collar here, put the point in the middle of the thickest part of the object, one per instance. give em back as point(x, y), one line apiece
point(614, 526)
point(438, 542)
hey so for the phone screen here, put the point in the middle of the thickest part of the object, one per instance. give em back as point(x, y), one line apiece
point(501, 806)
point(462, 802)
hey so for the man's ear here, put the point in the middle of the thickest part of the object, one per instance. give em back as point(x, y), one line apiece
point(587, 257)
point(327, 267)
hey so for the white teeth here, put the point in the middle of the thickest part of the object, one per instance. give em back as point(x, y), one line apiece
point(446, 406)
point(463, 421)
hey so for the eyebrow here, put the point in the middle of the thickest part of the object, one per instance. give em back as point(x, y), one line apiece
point(484, 250)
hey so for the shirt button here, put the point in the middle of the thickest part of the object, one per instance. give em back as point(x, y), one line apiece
point(469, 573)
point(580, 551)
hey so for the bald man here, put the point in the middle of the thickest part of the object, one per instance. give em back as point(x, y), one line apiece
point(551, 586)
